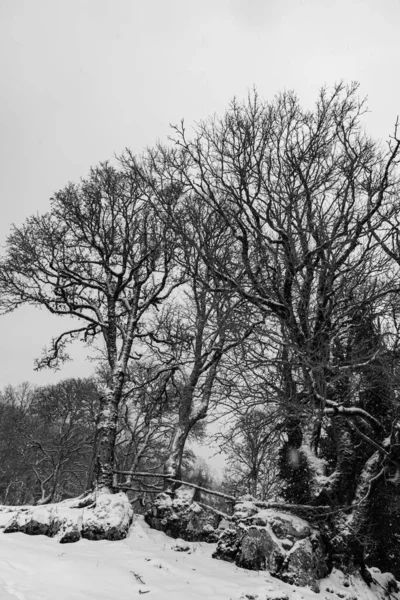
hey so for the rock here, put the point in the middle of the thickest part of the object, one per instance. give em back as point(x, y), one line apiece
point(224, 524)
point(184, 495)
point(36, 521)
point(283, 544)
point(202, 525)
point(180, 517)
point(194, 507)
point(276, 595)
point(287, 544)
point(228, 545)
point(162, 501)
point(180, 546)
point(304, 566)
point(244, 508)
point(107, 517)
point(259, 551)
point(388, 582)
point(69, 531)
point(284, 525)
point(270, 595)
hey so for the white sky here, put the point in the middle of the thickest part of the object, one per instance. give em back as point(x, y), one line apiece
point(82, 79)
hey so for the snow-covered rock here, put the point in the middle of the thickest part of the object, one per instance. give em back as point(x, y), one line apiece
point(258, 550)
point(105, 516)
point(244, 508)
point(181, 546)
point(180, 517)
point(184, 495)
point(283, 544)
point(108, 519)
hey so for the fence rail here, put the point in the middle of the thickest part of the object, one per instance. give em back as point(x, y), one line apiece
point(168, 478)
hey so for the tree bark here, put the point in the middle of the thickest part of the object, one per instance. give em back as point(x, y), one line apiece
point(189, 415)
point(106, 434)
point(173, 464)
point(349, 543)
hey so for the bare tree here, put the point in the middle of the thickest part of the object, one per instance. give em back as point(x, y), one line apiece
point(194, 335)
point(202, 323)
point(17, 481)
point(101, 256)
point(48, 438)
point(297, 191)
point(146, 422)
point(58, 439)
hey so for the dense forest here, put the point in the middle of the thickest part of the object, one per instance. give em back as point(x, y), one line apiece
point(245, 273)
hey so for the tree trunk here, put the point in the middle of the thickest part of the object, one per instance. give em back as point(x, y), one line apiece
point(189, 415)
point(106, 436)
point(349, 542)
point(173, 464)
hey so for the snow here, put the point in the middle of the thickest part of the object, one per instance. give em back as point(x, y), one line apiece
point(5, 516)
point(299, 525)
point(146, 562)
point(184, 495)
point(316, 465)
point(111, 511)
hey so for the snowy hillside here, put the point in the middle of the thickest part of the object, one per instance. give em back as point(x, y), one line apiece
point(146, 563)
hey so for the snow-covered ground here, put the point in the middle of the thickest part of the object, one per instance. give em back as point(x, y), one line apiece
point(146, 563)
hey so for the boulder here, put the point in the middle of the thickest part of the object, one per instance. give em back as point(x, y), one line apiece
point(109, 519)
point(281, 543)
point(244, 508)
point(37, 521)
point(288, 526)
point(259, 551)
point(284, 525)
point(229, 543)
point(184, 495)
point(180, 517)
point(304, 565)
point(69, 531)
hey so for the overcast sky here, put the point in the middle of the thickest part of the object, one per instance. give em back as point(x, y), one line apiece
point(83, 79)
